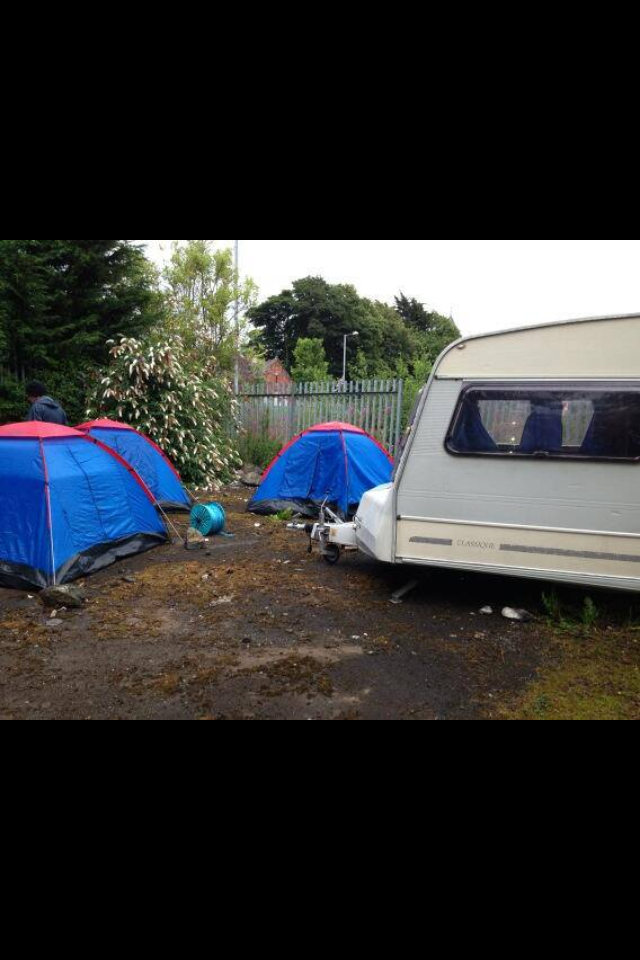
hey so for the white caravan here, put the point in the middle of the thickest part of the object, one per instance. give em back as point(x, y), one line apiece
point(523, 459)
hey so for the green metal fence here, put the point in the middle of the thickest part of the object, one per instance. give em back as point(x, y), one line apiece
point(280, 412)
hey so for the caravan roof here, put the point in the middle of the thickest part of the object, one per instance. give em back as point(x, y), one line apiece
point(600, 348)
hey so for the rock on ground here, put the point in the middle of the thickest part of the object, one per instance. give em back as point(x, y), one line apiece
point(195, 540)
point(55, 597)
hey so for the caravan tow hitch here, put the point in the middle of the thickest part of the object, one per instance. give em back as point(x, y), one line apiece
point(333, 535)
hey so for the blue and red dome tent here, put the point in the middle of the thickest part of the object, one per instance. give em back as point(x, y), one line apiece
point(146, 458)
point(69, 506)
point(335, 462)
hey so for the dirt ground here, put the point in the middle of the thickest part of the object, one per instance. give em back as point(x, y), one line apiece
point(254, 628)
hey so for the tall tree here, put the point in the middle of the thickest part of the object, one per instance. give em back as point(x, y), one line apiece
point(61, 300)
point(317, 310)
point(435, 330)
point(202, 289)
point(23, 302)
point(100, 289)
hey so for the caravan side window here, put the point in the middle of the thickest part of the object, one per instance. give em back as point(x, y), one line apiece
point(588, 423)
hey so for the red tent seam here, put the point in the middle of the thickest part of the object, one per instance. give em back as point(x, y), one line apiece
point(325, 428)
point(116, 456)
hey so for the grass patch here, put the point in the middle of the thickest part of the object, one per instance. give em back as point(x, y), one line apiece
point(284, 516)
point(594, 677)
point(574, 619)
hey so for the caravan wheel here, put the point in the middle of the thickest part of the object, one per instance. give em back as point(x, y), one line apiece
point(331, 554)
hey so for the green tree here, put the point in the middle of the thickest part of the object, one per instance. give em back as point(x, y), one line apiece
point(60, 301)
point(201, 290)
point(359, 368)
point(310, 362)
point(435, 331)
point(432, 333)
point(315, 309)
point(393, 344)
point(24, 304)
point(312, 309)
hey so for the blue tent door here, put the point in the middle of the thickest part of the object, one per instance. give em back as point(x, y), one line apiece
point(302, 467)
point(333, 462)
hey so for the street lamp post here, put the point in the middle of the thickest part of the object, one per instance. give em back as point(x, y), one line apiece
point(344, 369)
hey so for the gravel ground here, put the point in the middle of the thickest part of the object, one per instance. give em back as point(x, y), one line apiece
point(257, 629)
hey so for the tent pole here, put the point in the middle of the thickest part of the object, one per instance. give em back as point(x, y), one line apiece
point(167, 520)
point(47, 493)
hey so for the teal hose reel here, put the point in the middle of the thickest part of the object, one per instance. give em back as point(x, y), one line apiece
point(209, 520)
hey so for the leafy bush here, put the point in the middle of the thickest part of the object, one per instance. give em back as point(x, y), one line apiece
point(258, 450)
point(553, 606)
point(13, 404)
point(586, 617)
point(310, 362)
point(590, 614)
point(183, 403)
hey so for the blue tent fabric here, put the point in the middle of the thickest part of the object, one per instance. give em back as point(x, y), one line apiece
point(333, 462)
point(147, 460)
point(68, 508)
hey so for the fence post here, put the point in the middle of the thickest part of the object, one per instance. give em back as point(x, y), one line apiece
point(400, 402)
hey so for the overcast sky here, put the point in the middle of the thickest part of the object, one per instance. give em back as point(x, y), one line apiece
point(486, 284)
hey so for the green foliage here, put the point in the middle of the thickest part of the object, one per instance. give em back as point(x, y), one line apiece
point(68, 384)
point(201, 289)
point(597, 678)
point(310, 362)
point(541, 706)
point(422, 367)
point(284, 516)
point(13, 404)
point(63, 299)
point(590, 614)
point(25, 303)
point(180, 401)
point(60, 301)
point(553, 606)
point(435, 331)
point(410, 398)
point(586, 616)
point(404, 340)
point(359, 368)
point(258, 449)
point(4, 316)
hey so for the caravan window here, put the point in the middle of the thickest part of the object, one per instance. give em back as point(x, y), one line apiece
point(601, 423)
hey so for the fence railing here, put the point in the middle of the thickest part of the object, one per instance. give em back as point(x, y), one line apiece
point(282, 411)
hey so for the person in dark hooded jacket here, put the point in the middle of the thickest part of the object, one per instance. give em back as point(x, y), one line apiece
point(43, 408)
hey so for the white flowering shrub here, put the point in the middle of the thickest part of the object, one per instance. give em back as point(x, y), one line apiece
point(181, 402)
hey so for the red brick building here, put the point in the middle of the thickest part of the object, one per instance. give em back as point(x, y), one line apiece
point(276, 377)
point(273, 375)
